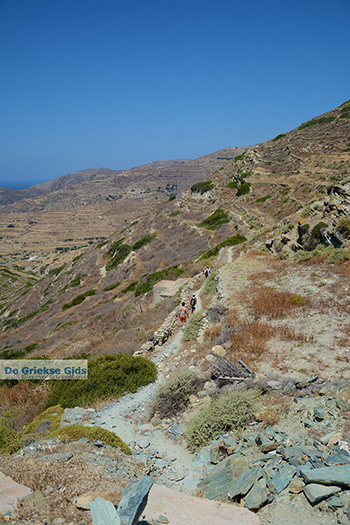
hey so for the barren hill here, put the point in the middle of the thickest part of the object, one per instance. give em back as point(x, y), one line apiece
point(289, 194)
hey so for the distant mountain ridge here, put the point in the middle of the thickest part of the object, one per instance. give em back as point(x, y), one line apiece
point(94, 185)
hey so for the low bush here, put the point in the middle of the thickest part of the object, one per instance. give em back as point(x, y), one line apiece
point(233, 184)
point(209, 286)
point(192, 326)
point(76, 432)
point(112, 286)
point(338, 255)
point(173, 395)
point(109, 376)
point(344, 226)
point(78, 299)
point(202, 187)
point(280, 136)
point(146, 283)
point(224, 414)
point(321, 120)
point(146, 239)
point(117, 253)
point(243, 189)
point(263, 199)
point(230, 241)
point(10, 439)
point(215, 220)
point(46, 422)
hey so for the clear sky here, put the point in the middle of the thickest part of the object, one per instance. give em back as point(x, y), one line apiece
point(109, 83)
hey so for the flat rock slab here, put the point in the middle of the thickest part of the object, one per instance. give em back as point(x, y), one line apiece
point(338, 475)
point(316, 493)
point(182, 509)
point(10, 493)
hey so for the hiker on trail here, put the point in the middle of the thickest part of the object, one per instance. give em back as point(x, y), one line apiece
point(183, 315)
point(193, 303)
point(207, 272)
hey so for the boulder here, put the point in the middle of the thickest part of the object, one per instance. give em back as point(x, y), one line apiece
point(316, 493)
point(282, 479)
point(10, 493)
point(246, 481)
point(133, 500)
point(338, 475)
point(219, 350)
point(103, 512)
point(258, 496)
point(182, 509)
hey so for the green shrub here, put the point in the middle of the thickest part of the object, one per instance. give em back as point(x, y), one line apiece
point(76, 432)
point(344, 226)
point(172, 198)
point(173, 395)
point(209, 286)
point(263, 199)
point(233, 185)
point(130, 288)
point(78, 300)
point(175, 213)
point(243, 189)
point(230, 241)
point(202, 187)
point(112, 286)
point(10, 439)
point(117, 252)
point(192, 326)
point(215, 220)
point(281, 135)
point(239, 157)
point(224, 414)
point(56, 271)
point(148, 281)
point(321, 120)
point(312, 240)
point(143, 241)
point(102, 243)
point(338, 255)
point(109, 376)
point(320, 250)
point(52, 415)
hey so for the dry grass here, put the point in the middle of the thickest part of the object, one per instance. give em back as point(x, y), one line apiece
point(276, 405)
point(213, 332)
point(250, 341)
point(25, 399)
point(272, 303)
point(286, 334)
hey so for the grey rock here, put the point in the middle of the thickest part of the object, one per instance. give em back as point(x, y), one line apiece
point(246, 481)
point(315, 492)
point(57, 457)
point(338, 475)
point(282, 479)
point(103, 512)
point(258, 496)
point(133, 500)
point(143, 442)
point(337, 502)
point(319, 413)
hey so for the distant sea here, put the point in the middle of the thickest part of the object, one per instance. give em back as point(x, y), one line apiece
point(17, 184)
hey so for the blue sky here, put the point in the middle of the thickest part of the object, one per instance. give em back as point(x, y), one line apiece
point(92, 83)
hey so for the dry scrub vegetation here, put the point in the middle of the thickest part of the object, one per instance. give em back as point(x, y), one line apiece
point(287, 317)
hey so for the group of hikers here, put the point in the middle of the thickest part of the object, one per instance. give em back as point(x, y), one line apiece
point(183, 311)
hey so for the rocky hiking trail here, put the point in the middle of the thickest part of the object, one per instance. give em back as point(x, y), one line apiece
point(159, 446)
point(289, 472)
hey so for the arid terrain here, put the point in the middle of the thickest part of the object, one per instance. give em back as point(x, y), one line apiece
point(77, 272)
